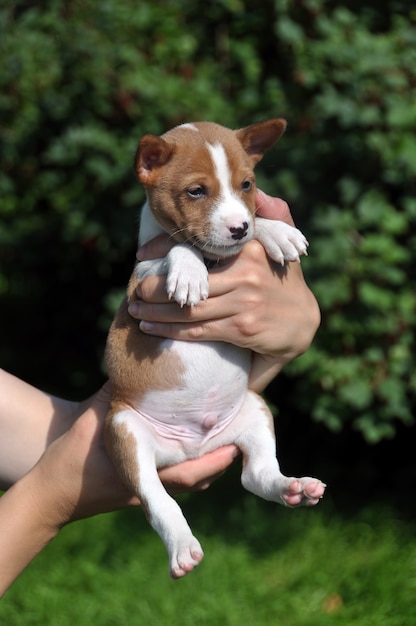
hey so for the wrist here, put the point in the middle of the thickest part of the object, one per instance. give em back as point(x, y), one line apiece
point(263, 369)
point(39, 506)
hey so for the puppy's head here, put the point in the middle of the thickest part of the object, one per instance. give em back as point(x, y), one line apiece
point(200, 182)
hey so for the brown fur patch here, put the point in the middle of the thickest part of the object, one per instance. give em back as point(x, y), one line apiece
point(122, 447)
point(136, 362)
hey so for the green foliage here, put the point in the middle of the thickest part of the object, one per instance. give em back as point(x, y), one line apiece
point(262, 567)
point(82, 81)
point(359, 87)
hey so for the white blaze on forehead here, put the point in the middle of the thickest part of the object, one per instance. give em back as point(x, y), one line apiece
point(190, 126)
point(229, 210)
point(222, 168)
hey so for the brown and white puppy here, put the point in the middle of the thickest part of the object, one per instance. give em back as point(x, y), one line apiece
point(176, 400)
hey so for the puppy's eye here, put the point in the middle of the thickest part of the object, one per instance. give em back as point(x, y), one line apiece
point(246, 185)
point(196, 192)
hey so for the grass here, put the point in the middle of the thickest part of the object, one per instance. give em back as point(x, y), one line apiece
point(263, 565)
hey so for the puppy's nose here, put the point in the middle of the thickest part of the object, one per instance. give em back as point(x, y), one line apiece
point(239, 232)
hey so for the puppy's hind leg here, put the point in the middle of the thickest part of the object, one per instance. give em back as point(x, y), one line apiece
point(133, 449)
point(261, 472)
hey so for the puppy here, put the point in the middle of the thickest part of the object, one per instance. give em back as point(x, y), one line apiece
point(174, 400)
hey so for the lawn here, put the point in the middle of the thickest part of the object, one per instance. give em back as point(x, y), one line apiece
point(263, 565)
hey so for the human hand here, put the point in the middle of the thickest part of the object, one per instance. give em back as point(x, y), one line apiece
point(75, 478)
point(252, 302)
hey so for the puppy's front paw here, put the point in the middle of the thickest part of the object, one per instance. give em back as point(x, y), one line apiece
point(292, 244)
point(188, 286)
point(281, 241)
point(187, 280)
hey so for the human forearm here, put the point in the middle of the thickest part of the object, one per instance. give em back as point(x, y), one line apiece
point(263, 371)
point(30, 420)
point(24, 531)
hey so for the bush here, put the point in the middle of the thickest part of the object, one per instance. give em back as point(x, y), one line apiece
point(359, 158)
point(81, 82)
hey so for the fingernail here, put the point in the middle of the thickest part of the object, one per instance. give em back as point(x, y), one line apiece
point(146, 327)
point(141, 253)
point(134, 309)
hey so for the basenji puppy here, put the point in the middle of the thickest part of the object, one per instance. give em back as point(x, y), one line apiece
point(176, 400)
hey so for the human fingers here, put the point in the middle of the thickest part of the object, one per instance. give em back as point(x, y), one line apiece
point(98, 403)
point(233, 294)
point(222, 279)
point(272, 208)
point(198, 474)
point(243, 302)
point(153, 288)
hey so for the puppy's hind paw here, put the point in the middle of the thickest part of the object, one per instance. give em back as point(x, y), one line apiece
point(304, 491)
point(185, 557)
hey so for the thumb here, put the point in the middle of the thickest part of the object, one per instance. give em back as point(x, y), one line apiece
point(272, 208)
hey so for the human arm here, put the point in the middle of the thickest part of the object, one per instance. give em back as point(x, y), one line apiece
point(42, 431)
point(253, 303)
point(72, 476)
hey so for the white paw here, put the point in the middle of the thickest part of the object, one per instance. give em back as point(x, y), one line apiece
point(187, 286)
point(281, 241)
point(187, 280)
point(304, 491)
point(184, 556)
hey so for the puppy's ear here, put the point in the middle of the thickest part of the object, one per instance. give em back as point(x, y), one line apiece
point(152, 152)
point(258, 138)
